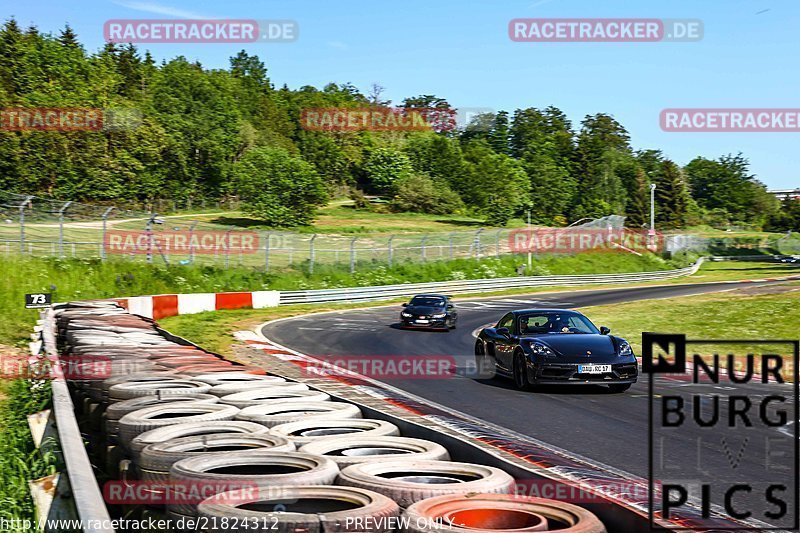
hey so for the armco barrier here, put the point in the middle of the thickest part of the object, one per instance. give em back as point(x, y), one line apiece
point(165, 305)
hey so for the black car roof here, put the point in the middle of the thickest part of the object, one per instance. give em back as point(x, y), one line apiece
point(430, 296)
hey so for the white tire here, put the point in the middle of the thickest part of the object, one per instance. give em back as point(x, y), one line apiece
point(265, 469)
point(300, 509)
point(353, 449)
point(242, 386)
point(408, 482)
point(283, 412)
point(149, 418)
point(269, 395)
point(176, 431)
point(307, 431)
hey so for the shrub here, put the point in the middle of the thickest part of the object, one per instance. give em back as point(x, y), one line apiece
point(420, 193)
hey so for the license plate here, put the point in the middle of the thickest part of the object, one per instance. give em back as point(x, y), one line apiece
point(422, 321)
point(594, 369)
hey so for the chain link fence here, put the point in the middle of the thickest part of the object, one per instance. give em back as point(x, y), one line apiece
point(42, 227)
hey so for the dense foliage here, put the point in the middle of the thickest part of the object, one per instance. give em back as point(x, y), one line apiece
point(214, 134)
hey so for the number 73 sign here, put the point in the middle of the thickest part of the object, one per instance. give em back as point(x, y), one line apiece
point(38, 300)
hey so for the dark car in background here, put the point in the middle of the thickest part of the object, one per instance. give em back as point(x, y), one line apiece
point(556, 346)
point(430, 311)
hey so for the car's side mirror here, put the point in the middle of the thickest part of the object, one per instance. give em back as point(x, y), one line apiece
point(604, 330)
point(451, 306)
point(405, 305)
point(503, 331)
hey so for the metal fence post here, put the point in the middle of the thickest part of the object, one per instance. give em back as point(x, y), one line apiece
point(228, 247)
point(391, 250)
point(105, 228)
point(266, 252)
point(61, 228)
point(451, 245)
point(311, 254)
point(477, 244)
point(191, 241)
point(22, 223)
point(149, 231)
point(353, 254)
point(422, 246)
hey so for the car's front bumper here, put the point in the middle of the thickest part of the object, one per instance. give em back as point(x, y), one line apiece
point(433, 323)
point(559, 373)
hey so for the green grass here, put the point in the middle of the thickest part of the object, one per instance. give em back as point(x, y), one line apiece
point(20, 461)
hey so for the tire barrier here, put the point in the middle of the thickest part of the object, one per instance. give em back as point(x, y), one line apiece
point(191, 429)
point(148, 418)
point(186, 416)
point(156, 459)
point(498, 512)
point(117, 410)
point(307, 431)
point(268, 396)
point(263, 469)
point(223, 378)
point(317, 508)
point(408, 482)
point(232, 388)
point(171, 387)
point(351, 450)
point(283, 412)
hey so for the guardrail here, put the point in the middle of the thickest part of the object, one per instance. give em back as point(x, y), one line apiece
point(381, 292)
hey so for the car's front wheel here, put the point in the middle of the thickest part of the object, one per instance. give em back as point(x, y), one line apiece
point(520, 373)
point(619, 387)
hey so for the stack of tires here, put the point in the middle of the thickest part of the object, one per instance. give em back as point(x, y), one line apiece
point(223, 447)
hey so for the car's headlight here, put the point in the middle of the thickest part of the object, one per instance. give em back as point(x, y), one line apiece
point(625, 348)
point(540, 349)
point(405, 315)
point(442, 315)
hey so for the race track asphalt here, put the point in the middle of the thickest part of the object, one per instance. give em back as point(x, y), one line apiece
point(611, 429)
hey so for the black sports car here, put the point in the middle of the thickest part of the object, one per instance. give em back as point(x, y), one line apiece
point(553, 346)
point(434, 311)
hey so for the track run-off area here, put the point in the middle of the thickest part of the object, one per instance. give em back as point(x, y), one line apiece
point(587, 420)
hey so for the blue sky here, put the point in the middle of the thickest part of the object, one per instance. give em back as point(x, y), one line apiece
point(460, 50)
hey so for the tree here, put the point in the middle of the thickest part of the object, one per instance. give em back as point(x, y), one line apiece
point(551, 188)
point(637, 209)
point(384, 167)
point(672, 194)
point(602, 147)
point(277, 187)
point(437, 156)
point(727, 184)
point(495, 185)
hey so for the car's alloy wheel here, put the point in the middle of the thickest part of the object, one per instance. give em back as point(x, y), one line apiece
point(520, 375)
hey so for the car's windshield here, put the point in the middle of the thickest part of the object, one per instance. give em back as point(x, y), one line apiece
point(427, 301)
point(556, 323)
